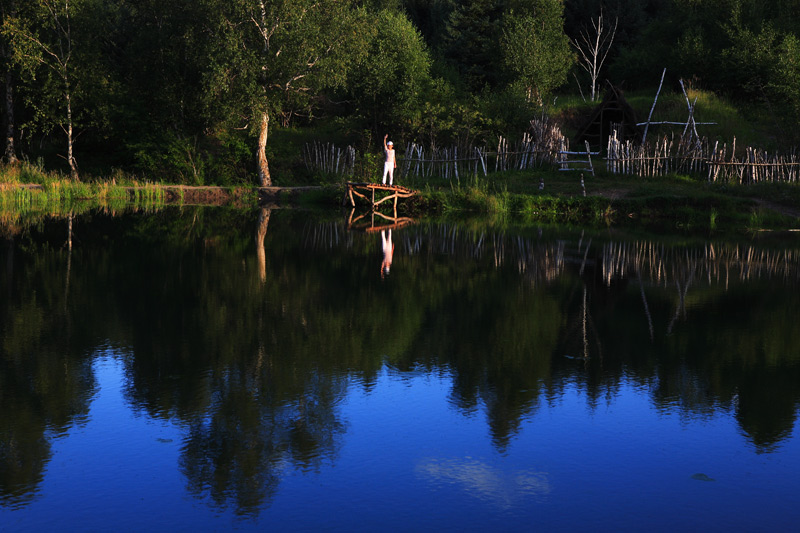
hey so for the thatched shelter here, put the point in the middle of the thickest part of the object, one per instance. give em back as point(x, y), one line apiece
point(614, 109)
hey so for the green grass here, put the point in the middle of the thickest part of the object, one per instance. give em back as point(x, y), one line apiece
point(749, 125)
point(668, 203)
point(671, 201)
point(27, 187)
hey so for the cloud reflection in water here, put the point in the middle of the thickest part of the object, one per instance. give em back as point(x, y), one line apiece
point(501, 488)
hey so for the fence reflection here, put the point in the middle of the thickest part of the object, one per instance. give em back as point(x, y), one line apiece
point(545, 259)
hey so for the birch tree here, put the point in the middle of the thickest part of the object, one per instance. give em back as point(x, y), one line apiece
point(45, 41)
point(307, 45)
point(536, 49)
point(8, 10)
point(593, 46)
point(295, 47)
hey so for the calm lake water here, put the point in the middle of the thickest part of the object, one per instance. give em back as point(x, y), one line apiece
point(213, 369)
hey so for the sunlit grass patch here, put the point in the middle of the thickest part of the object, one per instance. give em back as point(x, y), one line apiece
point(730, 121)
point(148, 195)
point(27, 172)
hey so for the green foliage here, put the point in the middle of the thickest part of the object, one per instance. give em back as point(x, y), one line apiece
point(437, 118)
point(536, 49)
point(25, 172)
point(508, 112)
point(787, 82)
point(221, 159)
point(430, 17)
point(750, 59)
point(230, 158)
point(54, 49)
point(694, 54)
point(177, 90)
point(472, 41)
point(177, 159)
point(271, 59)
point(62, 197)
point(389, 84)
point(740, 48)
point(368, 167)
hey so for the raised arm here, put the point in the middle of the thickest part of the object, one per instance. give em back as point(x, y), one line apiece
point(384, 141)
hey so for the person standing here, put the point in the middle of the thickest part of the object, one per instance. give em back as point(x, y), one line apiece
point(389, 162)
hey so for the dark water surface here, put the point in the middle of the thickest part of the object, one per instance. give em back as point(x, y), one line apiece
point(210, 369)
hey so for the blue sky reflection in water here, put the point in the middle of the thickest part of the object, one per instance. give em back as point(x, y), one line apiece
point(491, 381)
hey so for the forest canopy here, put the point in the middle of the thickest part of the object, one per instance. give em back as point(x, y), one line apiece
point(189, 91)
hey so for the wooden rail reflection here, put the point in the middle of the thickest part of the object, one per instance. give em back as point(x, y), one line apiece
point(366, 192)
point(712, 262)
point(649, 262)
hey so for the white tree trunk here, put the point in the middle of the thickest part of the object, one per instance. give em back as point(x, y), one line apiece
point(10, 152)
point(9, 9)
point(593, 47)
point(73, 166)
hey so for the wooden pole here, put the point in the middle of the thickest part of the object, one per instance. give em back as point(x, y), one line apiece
point(647, 125)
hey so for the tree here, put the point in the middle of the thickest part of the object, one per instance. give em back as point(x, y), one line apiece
point(45, 40)
point(430, 18)
point(472, 41)
point(593, 47)
point(788, 84)
point(536, 49)
point(388, 85)
point(752, 56)
point(165, 108)
point(270, 50)
point(8, 9)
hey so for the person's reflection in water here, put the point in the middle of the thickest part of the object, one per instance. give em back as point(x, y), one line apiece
point(388, 251)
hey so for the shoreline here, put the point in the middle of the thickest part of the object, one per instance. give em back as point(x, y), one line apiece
point(618, 204)
point(197, 195)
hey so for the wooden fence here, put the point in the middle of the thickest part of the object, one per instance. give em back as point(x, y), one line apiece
point(535, 260)
point(545, 145)
point(542, 145)
point(448, 163)
point(664, 156)
point(693, 155)
point(756, 166)
point(325, 157)
point(651, 263)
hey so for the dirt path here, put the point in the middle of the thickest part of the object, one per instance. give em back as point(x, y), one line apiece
point(201, 195)
point(789, 211)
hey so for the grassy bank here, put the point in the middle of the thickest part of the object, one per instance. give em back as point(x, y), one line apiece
point(26, 187)
point(720, 119)
point(667, 203)
point(670, 203)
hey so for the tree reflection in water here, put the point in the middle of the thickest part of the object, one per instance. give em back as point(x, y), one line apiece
point(238, 450)
point(261, 233)
point(252, 352)
point(46, 380)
